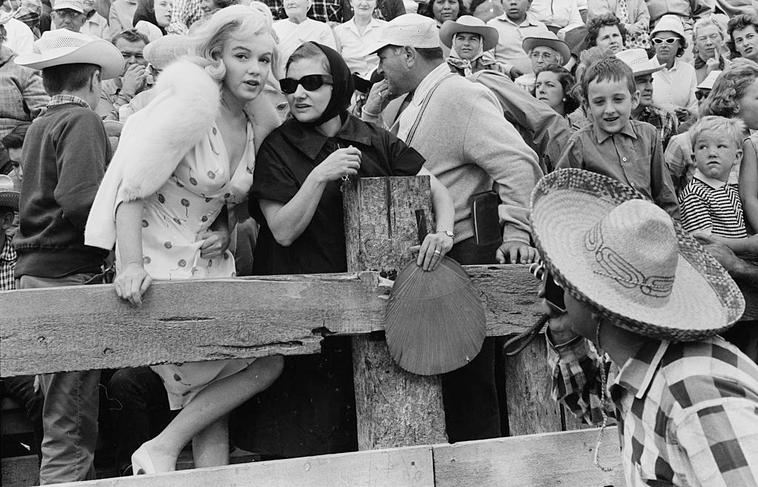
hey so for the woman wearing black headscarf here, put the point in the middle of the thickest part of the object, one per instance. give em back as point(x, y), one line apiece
point(297, 200)
point(300, 166)
point(152, 17)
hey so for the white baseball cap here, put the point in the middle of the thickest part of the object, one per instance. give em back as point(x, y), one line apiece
point(412, 30)
point(76, 5)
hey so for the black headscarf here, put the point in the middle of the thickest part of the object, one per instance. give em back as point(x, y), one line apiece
point(145, 12)
point(342, 87)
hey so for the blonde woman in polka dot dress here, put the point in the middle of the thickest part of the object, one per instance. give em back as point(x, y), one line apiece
point(180, 231)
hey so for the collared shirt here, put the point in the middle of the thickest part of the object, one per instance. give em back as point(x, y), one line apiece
point(321, 10)
point(559, 13)
point(405, 120)
point(633, 156)
point(22, 96)
point(96, 26)
point(60, 99)
point(675, 88)
point(8, 259)
point(508, 50)
point(121, 16)
point(712, 206)
point(353, 44)
point(664, 121)
point(688, 412)
point(184, 13)
point(284, 161)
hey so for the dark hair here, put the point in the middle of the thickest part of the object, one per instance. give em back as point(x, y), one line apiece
point(146, 11)
point(608, 69)
point(130, 35)
point(567, 83)
point(67, 77)
point(429, 53)
point(3, 34)
point(596, 23)
point(426, 9)
point(739, 22)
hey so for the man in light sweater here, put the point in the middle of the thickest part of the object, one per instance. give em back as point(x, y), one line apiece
point(459, 128)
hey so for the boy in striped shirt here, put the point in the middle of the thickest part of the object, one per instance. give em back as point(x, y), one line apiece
point(709, 205)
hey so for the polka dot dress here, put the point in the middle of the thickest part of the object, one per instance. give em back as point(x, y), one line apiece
point(173, 221)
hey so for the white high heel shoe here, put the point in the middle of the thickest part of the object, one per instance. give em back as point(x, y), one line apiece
point(142, 463)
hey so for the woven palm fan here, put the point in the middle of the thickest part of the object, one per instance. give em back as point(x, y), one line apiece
point(434, 321)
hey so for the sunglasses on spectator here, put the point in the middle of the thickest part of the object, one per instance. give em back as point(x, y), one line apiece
point(700, 94)
point(311, 82)
point(670, 40)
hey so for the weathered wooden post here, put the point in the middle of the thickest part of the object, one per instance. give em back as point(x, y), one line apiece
point(393, 407)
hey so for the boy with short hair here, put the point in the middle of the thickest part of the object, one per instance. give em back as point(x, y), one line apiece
point(65, 153)
point(709, 204)
point(614, 145)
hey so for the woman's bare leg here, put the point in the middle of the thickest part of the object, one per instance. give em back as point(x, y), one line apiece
point(210, 447)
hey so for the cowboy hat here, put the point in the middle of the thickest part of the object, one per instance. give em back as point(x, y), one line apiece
point(624, 256)
point(471, 25)
point(547, 39)
point(61, 46)
point(9, 196)
point(638, 61)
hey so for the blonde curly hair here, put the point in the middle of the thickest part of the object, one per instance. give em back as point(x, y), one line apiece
point(729, 88)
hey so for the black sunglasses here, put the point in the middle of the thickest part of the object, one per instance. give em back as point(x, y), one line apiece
point(310, 82)
point(701, 93)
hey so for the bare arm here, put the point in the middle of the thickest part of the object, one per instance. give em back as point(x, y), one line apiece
point(749, 183)
point(132, 280)
point(436, 245)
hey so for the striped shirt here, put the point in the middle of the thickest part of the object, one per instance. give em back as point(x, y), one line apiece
point(688, 412)
point(713, 206)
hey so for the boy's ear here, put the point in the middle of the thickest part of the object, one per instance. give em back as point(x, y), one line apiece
point(95, 79)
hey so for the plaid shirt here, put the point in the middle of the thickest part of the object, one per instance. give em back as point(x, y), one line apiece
point(688, 412)
point(66, 99)
point(321, 10)
point(22, 96)
point(662, 120)
point(184, 13)
point(8, 259)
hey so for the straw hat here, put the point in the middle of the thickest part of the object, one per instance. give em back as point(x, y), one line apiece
point(61, 46)
point(628, 259)
point(471, 25)
point(9, 196)
point(547, 39)
point(709, 81)
point(638, 61)
point(669, 23)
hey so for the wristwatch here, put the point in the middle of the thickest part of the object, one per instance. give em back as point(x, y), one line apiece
point(448, 233)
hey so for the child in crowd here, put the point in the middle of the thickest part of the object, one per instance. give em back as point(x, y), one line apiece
point(613, 144)
point(709, 204)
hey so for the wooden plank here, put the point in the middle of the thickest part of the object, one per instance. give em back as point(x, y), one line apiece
point(548, 459)
point(19, 471)
point(88, 327)
point(531, 408)
point(393, 408)
point(401, 467)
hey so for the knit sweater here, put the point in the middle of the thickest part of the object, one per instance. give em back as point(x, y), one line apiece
point(65, 154)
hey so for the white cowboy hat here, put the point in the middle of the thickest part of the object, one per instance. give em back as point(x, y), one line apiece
point(61, 46)
point(626, 257)
point(638, 61)
point(472, 25)
point(412, 30)
point(9, 196)
point(547, 39)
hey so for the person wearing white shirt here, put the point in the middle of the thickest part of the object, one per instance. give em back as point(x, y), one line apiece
point(513, 27)
point(673, 86)
point(562, 15)
point(297, 29)
point(354, 35)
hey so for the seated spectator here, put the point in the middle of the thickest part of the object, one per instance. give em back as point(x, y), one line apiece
point(615, 145)
point(512, 27)
point(632, 14)
point(443, 10)
point(709, 204)
point(553, 86)
point(606, 31)
point(544, 50)
point(742, 32)
point(486, 10)
point(708, 48)
point(559, 17)
point(686, 10)
point(470, 41)
point(135, 78)
point(678, 154)
point(94, 24)
point(297, 28)
point(121, 16)
point(184, 13)
point(152, 18)
point(23, 99)
point(354, 35)
point(674, 85)
point(68, 14)
point(385, 10)
point(646, 111)
point(19, 38)
point(209, 7)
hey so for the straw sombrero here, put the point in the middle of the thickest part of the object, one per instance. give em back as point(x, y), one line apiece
point(9, 196)
point(627, 258)
point(61, 46)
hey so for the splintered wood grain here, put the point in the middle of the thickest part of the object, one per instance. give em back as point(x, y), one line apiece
point(548, 459)
point(531, 408)
point(401, 467)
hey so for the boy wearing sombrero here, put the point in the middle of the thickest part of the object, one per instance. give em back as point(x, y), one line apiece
point(65, 153)
point(639, 288)
point(8, 207)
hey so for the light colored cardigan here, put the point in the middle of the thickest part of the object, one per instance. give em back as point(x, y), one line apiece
point(154, 140)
